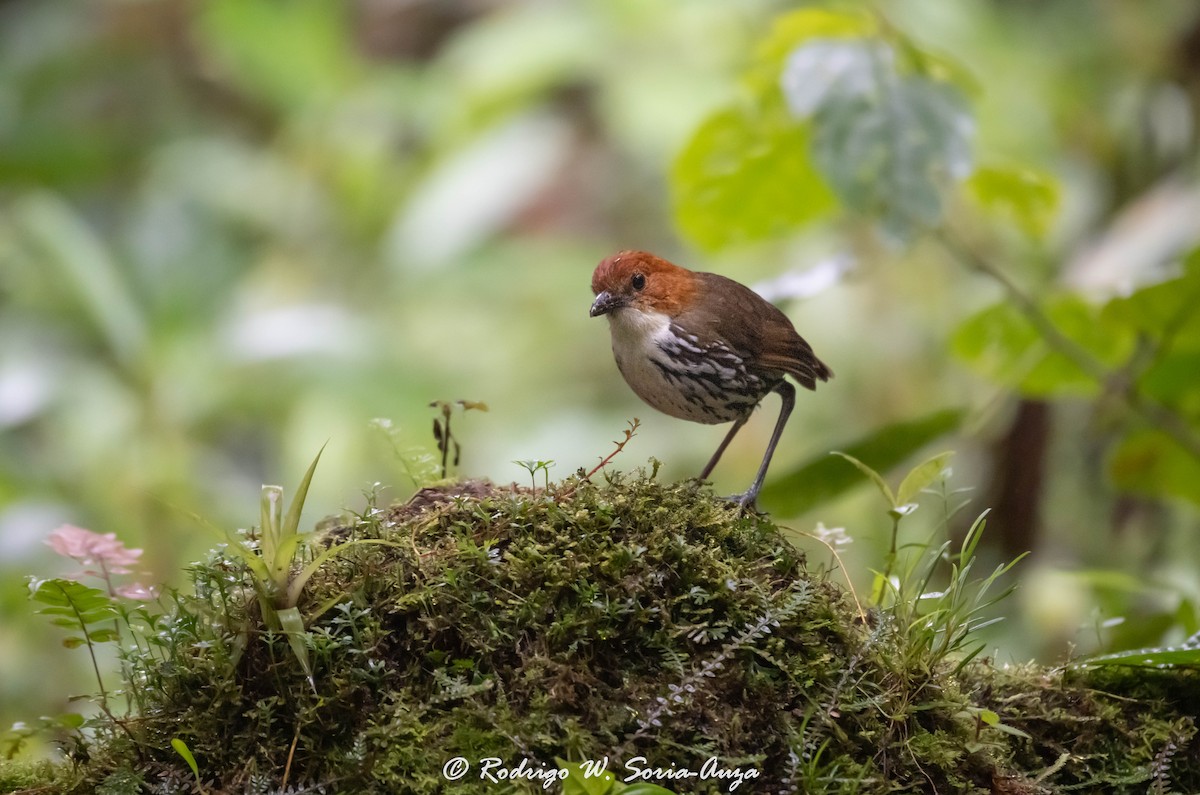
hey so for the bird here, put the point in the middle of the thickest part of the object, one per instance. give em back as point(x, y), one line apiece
point(702, 347)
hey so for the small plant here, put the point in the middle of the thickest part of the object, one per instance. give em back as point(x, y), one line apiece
point(441, 428)
point(93, 615)
point(271, 560)
point(937, 623)
point(96, 614)
point(533, 467)
point(695, 681)
point(901, 502)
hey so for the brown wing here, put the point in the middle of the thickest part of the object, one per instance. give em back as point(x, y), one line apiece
point(751, 325)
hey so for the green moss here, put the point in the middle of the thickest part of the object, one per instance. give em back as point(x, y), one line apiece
point(627, 619)
point(17, 775)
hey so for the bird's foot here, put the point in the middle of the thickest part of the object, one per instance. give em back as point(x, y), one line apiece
point(747, 502)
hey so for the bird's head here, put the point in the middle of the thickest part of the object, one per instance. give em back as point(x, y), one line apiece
point(640, 281)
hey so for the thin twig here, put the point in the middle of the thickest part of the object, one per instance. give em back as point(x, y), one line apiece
point(629, 432)
point(287, 769)
point(862, 614)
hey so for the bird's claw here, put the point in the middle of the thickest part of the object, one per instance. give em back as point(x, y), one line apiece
point(747, 502)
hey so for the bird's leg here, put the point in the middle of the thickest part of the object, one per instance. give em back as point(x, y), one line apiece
point(787, 394)
point(712, 462)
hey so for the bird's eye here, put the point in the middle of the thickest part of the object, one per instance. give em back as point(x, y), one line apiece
point(638, 281)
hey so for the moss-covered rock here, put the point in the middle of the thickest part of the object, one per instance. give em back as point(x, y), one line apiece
point(630, 620)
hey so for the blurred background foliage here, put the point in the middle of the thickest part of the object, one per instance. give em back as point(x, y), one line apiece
point(233, 229)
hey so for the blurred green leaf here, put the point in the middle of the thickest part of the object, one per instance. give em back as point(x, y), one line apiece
point(288, 54)
point(1004, 727)
point(1187, 617)
point(69, 720)
point(1030, 198)
point(74, 258)
point(1169, 308)
point(745, 177)
point(826, 477)
point(511, 57)
point(887, 142)
point(1001, 343)
point(1171, 378)
point(1150, 462)
point(791, 30)
point(104, 635)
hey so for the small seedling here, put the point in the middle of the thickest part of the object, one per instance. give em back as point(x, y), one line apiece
point(937, 623)
point(533, 467)
point(182, 749)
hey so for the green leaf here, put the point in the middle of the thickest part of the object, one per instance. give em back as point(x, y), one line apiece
point(921, 476)
point(1180, 657)
point(281, 537)
point(790, 30)
point(1011, 730)
point(182, 749)
point(577, 783)
point(990, 718)
point(287, 55)
point(72, 604)
point(1167, 307)
point(69, 720)
point(1002, 344)
point(1152, 463)
point(888, 143)
point(75, 258)
point(104, 635)
point(291, 522)
point(825, 477)
point(643, 788)
point(746, 176)
point(1029, 198)
point(292, 624)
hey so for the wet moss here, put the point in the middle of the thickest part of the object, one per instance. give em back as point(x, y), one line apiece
point(625, 619)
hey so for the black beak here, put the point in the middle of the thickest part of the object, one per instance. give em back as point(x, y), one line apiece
point(606, 302)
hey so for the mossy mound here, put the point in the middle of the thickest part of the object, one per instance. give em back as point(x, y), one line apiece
point(627, 620)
